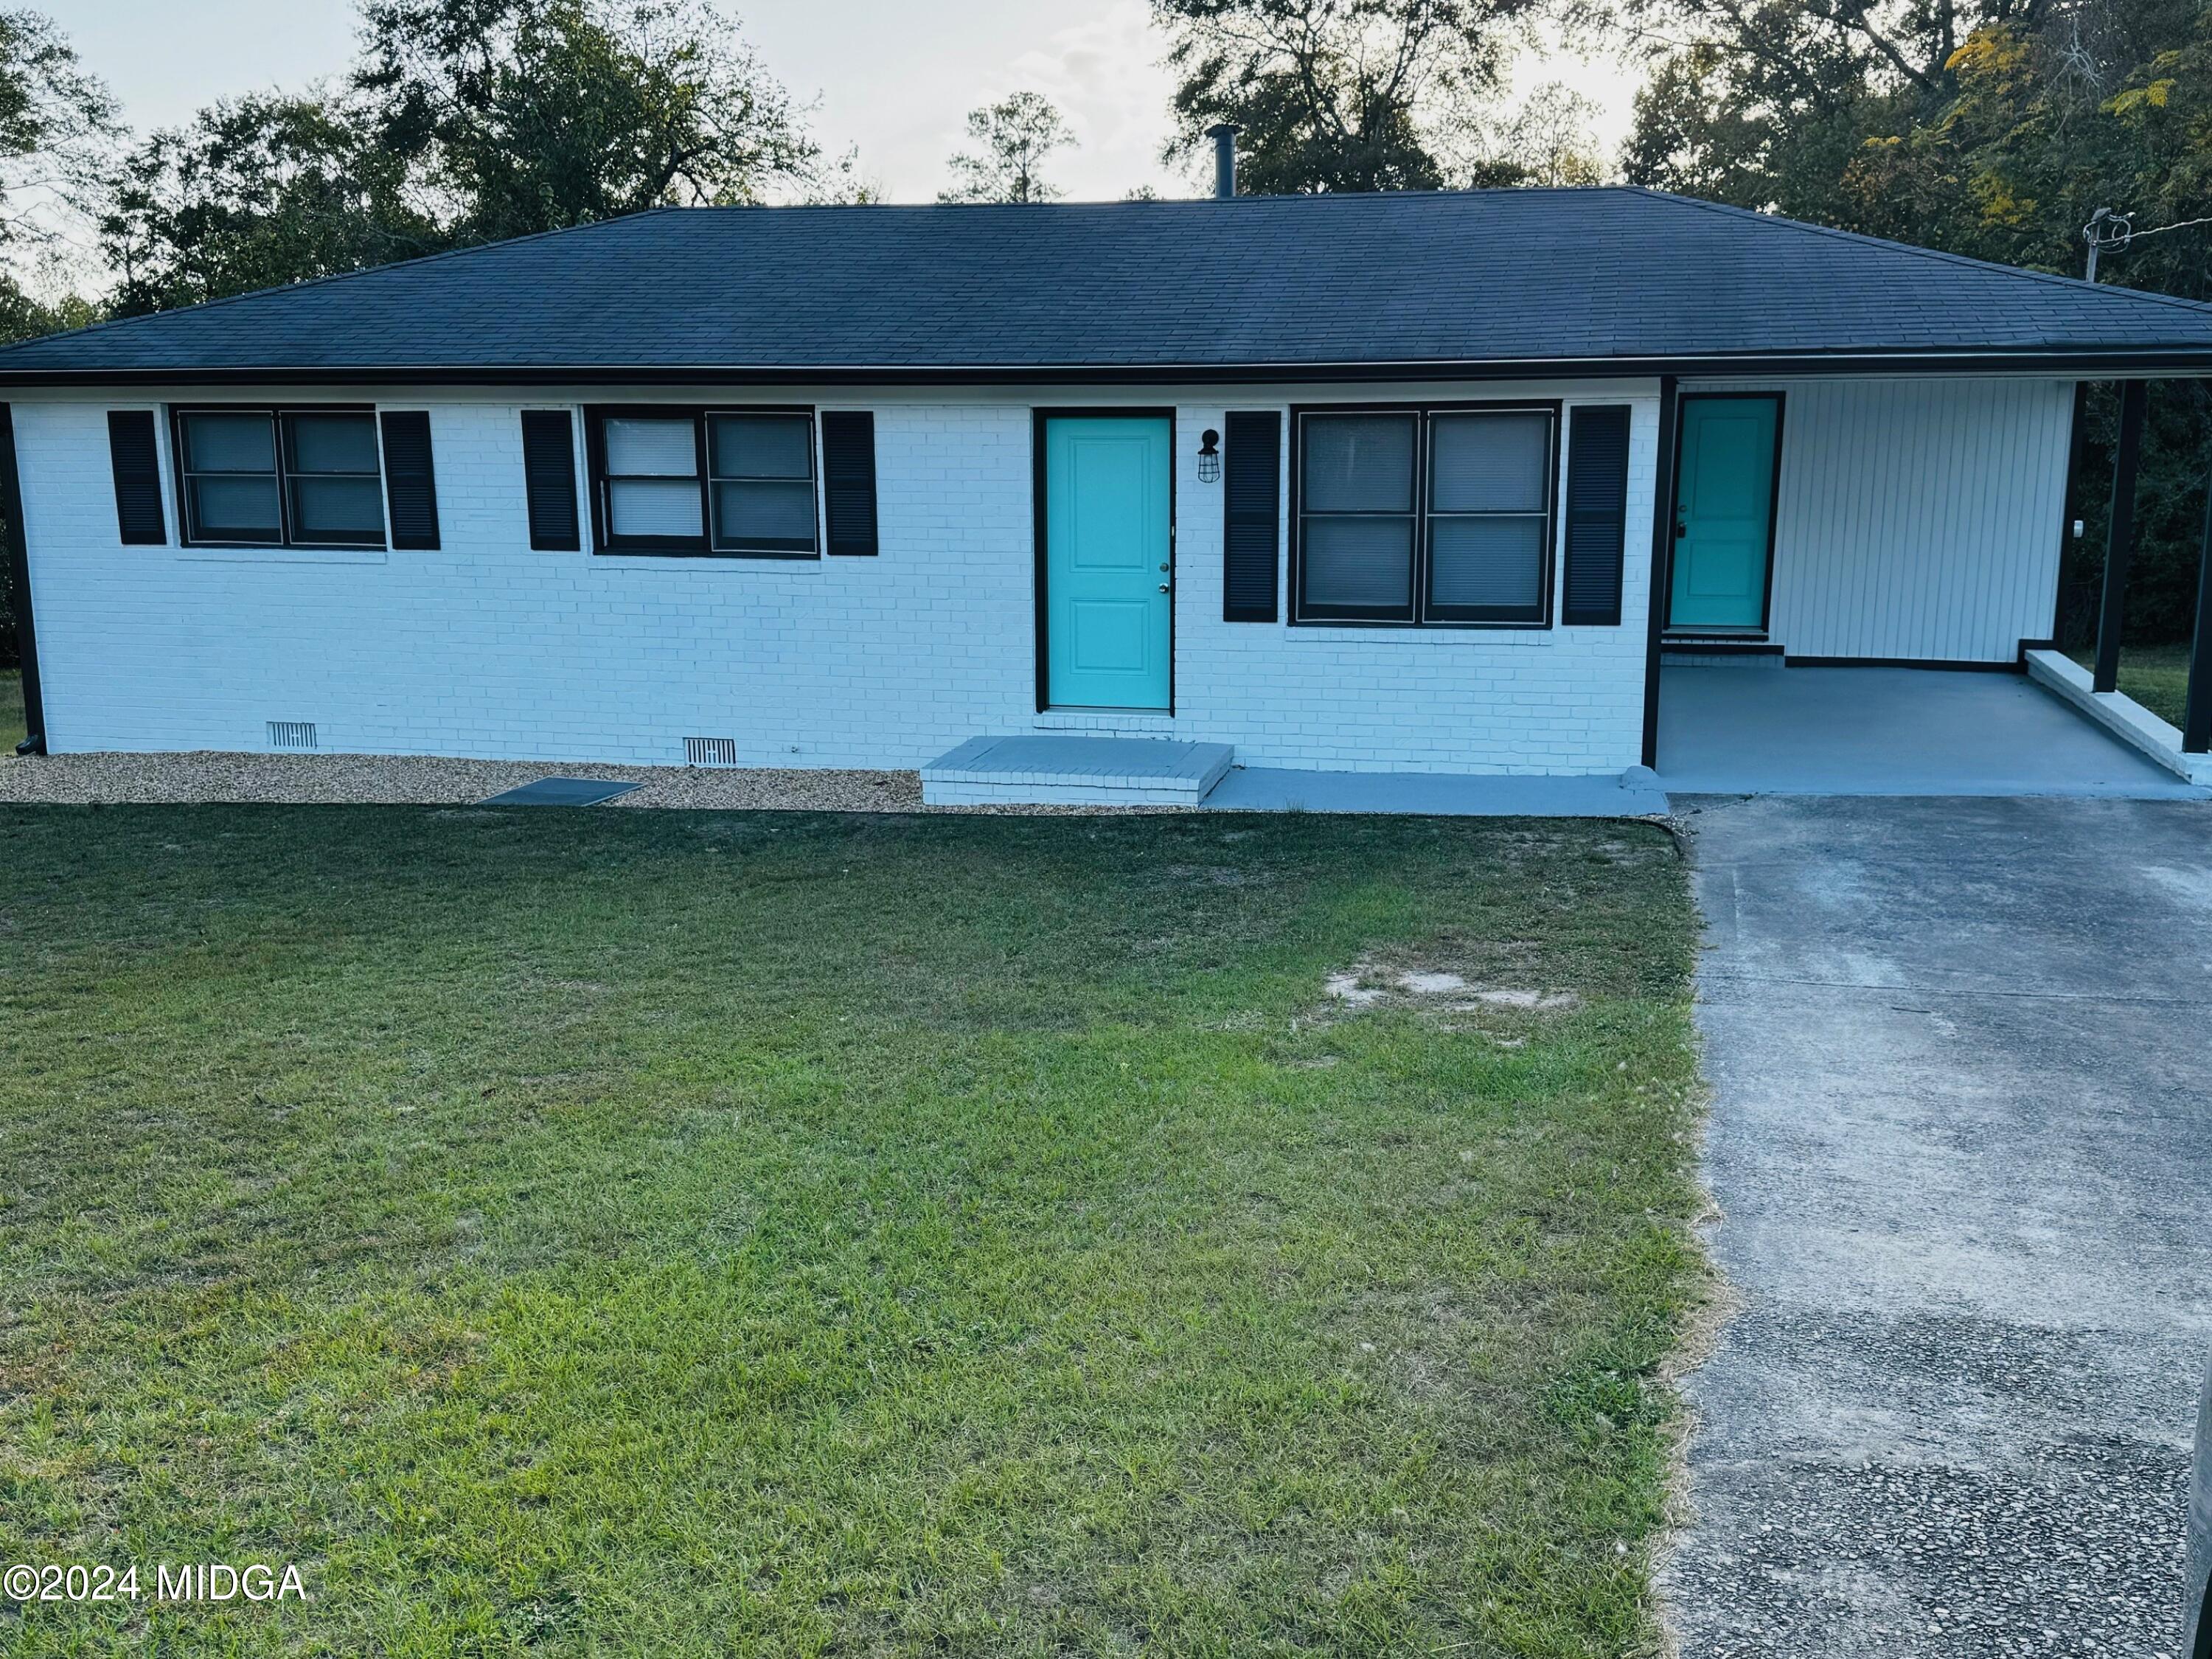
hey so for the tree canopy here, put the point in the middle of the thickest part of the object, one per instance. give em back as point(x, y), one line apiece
point(1015, 138)
point(464, 121)
point(1337, 94)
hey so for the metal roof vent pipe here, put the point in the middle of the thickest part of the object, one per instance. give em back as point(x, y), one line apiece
point(1224, 134)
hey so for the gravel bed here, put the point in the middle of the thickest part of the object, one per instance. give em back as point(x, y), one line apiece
point(217, 777)
point(430, 780)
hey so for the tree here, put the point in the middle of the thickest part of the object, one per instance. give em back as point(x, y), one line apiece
point(1548, 142)
point(1018, 135)
point(1335, 95)
point(56, 125)
point(526, 115)
point(257, 192)
point(465, 121)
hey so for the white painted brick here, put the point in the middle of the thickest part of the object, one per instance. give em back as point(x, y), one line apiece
point(487, 649)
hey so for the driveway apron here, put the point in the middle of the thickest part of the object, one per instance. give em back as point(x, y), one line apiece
point(1961, 1141)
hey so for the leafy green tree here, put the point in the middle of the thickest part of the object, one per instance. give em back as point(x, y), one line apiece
point(255, 192)
point(1015, 138)
point(1548, 142)
point(1335, 95)
point(516, 116)
point(58, 124)
point(465, 121)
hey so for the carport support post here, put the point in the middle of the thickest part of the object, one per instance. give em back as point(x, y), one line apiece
point(1663, 554)
point(2196, 713)
point(2120, 537)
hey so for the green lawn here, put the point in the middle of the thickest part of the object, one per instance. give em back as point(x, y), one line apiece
point(2156, 676)
point(12, 710)
point(688, 1233)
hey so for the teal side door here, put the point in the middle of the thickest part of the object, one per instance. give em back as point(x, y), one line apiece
point(1107, 557)
point(1724, 513)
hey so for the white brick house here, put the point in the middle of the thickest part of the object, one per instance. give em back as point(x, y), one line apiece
point(235, 535)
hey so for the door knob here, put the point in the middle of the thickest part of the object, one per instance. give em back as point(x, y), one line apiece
point(1681, 531)
point(1163, 587)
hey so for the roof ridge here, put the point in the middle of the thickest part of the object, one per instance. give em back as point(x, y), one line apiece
point(1205, 201)
point(2074, 284)
point(109, 324)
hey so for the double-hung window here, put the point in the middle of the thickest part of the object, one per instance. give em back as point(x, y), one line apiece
point(1439, 515)
point(279, 478)
point(739, 482)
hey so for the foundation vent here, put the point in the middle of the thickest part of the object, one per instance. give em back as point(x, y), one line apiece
point(291, 734)
point(710, 752)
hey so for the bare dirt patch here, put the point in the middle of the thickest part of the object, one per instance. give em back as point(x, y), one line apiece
point(1368, 984)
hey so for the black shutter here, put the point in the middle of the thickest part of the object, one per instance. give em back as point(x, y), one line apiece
point(849, 480)
point(137, 478)
point(549, 472)
point(1597, 515)
point(410, 483)
point(1252, 498)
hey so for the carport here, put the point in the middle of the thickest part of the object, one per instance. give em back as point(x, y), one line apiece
point(1856, 588)
point(1772, 730)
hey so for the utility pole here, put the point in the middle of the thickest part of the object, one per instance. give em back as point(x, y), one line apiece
point(2107, 228)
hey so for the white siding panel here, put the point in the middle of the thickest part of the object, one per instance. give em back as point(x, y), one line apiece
point(1917, 519)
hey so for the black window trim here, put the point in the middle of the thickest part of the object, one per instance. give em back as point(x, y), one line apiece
point(606, 543)
point(1303, 616)
point(286, 541)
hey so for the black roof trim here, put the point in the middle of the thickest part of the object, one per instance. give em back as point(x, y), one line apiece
point(2149, 364)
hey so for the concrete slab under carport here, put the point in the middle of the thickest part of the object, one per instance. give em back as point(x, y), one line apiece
point(1888, 731)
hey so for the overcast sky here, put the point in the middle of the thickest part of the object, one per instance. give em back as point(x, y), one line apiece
point(895, 77)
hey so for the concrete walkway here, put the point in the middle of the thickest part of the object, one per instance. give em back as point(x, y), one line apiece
point(1962, 1139)
point(1888, 731)
point(1276, 789)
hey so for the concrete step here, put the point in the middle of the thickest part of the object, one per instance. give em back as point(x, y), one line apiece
point(1050, 769)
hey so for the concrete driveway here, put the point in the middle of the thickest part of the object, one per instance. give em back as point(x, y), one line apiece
point(1962, 1141)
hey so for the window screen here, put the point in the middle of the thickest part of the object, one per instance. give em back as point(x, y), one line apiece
point(231, 487)
point(337, 492)
point(1358, 505)
point(1425, 515)
point(1490, 487)
point(763, 477)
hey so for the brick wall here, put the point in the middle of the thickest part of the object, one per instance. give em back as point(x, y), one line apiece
point(488, 648)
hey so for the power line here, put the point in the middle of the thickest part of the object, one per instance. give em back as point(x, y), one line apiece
point(2106, 229)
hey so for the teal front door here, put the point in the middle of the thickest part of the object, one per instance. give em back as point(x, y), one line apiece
point(1724, 514)
point(1108, 554)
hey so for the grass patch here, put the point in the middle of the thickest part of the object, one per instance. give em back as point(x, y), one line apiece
point(2156, 676)
point(12, 730)
point(582, 1232)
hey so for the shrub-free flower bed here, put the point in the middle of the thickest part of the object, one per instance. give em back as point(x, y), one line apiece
point(675, 1232)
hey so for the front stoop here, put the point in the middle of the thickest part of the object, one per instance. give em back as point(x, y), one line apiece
point(1057, 770)
point(2118, 714)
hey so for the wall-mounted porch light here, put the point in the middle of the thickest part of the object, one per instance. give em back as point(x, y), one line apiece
point(1209, 456)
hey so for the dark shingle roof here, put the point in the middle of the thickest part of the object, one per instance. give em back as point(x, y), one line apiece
point(1600, 277)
